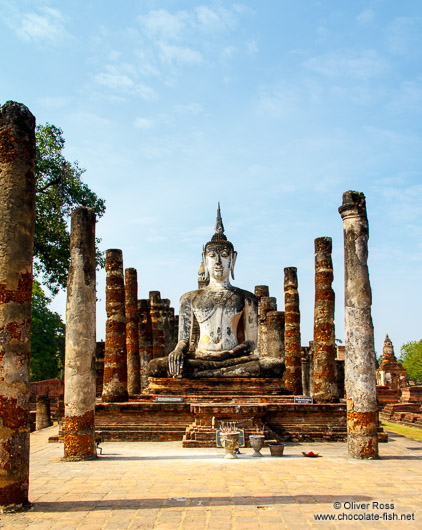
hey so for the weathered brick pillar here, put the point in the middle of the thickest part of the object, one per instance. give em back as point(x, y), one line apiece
point(115, 362)
point(17, 221)
point(132, 336)
point(325, 384)
point(99, 366)
point(145, 339)
point(80, 375)
point(166, 315)
point(275, 335)
point(172, 334)
point(362, 420)
point(261, 290)
point(292, 347)
point(42, 413)
point(157, 309)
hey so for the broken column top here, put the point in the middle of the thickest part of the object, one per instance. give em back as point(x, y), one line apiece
point(323, 243)
point(290, 276)
point(261, 290)
point(354, 203)
point(13, 113)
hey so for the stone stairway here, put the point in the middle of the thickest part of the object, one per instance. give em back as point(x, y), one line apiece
point(408, 414)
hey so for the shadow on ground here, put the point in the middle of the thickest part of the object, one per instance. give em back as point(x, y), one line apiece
point(130, 504)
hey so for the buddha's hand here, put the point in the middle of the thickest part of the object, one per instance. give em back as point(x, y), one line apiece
point(242, 349)
point(176, 358)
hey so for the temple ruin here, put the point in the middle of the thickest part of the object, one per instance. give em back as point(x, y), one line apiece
point(199, 375)
point(230, 355)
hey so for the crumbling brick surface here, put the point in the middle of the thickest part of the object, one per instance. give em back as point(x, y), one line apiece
point(132, 332)
point(293, 352)
point(115, 359)
point(324, 371)
point(17, 222)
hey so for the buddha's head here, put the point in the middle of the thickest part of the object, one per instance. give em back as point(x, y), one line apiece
point(219, 256)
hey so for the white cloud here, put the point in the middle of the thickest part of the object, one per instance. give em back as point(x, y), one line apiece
point(162, 25)
point(192, 108)
point(279, 102)
point(403, 34)
point(179, 54)
point(322, 33)
point(179, 38)
point(114, 55)
point(47, 26)
point(146, 65)
point(408, 97)
point(347, 63)
point(122, 78)
point(252, 47)
point(215, 21)
point(54, 101)
point(143, 123)
point(365, 17)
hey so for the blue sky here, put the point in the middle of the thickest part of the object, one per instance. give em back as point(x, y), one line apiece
point(273, 108)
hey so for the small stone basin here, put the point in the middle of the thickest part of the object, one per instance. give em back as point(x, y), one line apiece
point(276, 449)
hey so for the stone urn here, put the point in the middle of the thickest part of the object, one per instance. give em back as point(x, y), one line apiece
point(276, 449)
point(257, 442)
point(230, 442)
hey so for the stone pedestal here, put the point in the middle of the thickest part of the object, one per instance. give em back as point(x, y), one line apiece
point(43, 414)
point(17, 221)
point(360, 365)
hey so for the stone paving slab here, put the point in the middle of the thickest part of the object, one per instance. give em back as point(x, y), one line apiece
point(160, 485)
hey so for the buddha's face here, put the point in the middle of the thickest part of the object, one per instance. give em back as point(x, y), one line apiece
point(219, 261)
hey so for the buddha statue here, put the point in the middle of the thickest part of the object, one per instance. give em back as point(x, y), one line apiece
point(228, 324)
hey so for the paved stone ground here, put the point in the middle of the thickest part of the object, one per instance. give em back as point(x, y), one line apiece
point(163, 486)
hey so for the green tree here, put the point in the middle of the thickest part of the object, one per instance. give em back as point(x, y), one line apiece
point(47, 338)
point(411, 357)
point(59, 190)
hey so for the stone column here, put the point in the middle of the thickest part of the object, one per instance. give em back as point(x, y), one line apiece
point(145, 339)
point(275, 335)
point(99, 367)
point(362, 421)
point(293, 352)
point(306, 371)
point(157, 309)
point(115, 362)
point(166, 316)
point(325, 384)
point(266, 304)
point(17, 221)
point(132, 337)
point(80, 375)
point(42, 413)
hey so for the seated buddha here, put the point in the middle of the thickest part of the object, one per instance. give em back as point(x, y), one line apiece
point(228, 324)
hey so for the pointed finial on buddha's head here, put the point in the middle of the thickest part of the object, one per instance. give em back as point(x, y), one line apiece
point(219, 227)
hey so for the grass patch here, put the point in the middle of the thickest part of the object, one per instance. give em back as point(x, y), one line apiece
point(409, 432)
